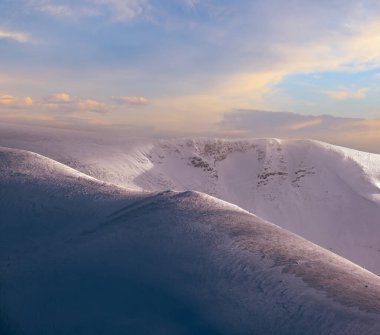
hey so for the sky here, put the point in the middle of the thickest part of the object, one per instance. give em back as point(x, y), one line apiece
point(289, 69)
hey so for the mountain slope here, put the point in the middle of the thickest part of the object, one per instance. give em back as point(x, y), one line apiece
point(81, 256)
point(327, 194)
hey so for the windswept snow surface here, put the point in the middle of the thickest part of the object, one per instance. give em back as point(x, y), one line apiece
point(79, 256)
point(327, 194)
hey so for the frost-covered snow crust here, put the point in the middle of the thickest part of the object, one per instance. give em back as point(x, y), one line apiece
point(330, 195)
point(80, 256)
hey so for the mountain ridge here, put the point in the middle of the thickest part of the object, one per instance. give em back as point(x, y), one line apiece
point(330, 195)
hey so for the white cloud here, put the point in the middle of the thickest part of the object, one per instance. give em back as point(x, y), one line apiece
point(14, 35)
point(190, 3)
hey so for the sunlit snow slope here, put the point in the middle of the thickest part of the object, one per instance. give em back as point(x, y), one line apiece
point(327, 194)
point(79, 256)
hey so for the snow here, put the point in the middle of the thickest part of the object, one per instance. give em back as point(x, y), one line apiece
point(330, 195)
point(80, 256)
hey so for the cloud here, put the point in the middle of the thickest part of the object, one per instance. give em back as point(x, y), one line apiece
point(62, 98)
point(64, 8)
point(65, 102)
point(6, 99)
point(306, 124)
point(260, 65)
point(248, 88)
point(190, 3)
point(195, 63)
point(285, 124)
point(91, 105)
point(117, 10)
point(59, 98)
point(123, 9)
point(344, 94)
point(59, 102)
point(240, 55)
point(67, 10)
point(133, 101)
point(12, 102)
point(14, 35)
point(363, 134)
point(28, 101)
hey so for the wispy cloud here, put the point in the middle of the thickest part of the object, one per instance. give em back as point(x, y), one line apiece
point(281, 124)
point(346, 94)
point(349, 50)
point(117, 10)
point(14, 35)
point(133, 101)
point(313, 122)
point(190, 3)
point(63, 10)
point(123, 9)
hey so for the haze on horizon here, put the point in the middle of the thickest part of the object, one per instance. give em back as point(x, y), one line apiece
point(296, 69)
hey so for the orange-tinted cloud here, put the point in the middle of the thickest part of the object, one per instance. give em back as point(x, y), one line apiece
point(59, 98)
point(346, 94)
point(9, 101)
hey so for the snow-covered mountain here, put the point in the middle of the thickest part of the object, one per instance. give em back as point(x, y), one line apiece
point(327, 194)
point(82, 256)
